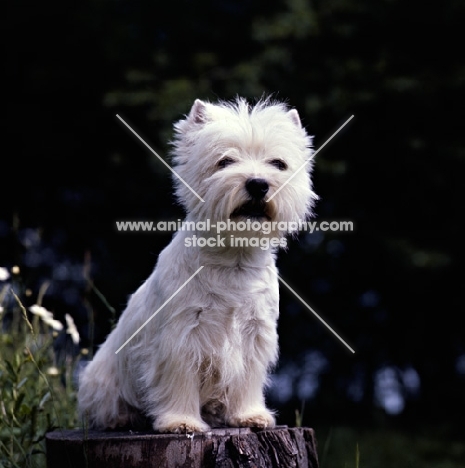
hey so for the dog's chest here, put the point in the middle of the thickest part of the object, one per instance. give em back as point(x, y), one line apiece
point(233, 336)
point(243, 296)
point(239, 309)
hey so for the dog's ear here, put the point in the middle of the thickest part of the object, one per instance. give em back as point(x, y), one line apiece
point(294, 116)
point(198, 113)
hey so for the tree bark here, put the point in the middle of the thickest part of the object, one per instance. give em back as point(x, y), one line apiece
point(281, 447)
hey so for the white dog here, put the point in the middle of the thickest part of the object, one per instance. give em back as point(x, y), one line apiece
point(203, 359)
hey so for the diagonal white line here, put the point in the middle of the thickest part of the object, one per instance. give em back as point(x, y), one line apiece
point(164, 162)
point(156, 312)
point(311, 157)
point(314, 313)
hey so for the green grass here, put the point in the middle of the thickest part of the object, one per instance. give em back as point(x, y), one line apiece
point(36, 392)
point(346, 447)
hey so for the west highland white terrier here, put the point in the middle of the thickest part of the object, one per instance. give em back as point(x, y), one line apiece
point(205, 348)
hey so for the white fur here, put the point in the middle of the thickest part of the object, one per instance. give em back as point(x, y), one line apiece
point(203, 360)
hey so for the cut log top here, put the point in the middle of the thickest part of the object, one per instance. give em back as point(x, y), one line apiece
point(218, 448)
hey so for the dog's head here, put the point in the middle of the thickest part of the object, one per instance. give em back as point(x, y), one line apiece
point(245, 162)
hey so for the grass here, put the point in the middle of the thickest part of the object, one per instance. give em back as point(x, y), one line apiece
point(347, 447)
point(37, 394)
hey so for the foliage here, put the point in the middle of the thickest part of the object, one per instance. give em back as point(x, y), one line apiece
point(37, 394)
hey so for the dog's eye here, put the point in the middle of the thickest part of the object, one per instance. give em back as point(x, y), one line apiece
point(225, 162)
point(281, 165)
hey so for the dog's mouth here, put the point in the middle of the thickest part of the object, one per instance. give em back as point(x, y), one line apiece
point(251, 209)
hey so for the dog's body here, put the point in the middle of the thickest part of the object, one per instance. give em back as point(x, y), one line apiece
point(202, 360)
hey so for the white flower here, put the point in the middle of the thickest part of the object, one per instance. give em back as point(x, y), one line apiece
point(46, 316)
point(4, 275)
point(53, 371)
point(72, 330)
point(1, 310)
point(55, 324)
point(42, 312)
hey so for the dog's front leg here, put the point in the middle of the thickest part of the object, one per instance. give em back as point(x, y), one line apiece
point(247, 402)
point(174, 403)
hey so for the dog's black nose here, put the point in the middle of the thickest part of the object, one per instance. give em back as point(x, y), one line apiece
point(257, 188)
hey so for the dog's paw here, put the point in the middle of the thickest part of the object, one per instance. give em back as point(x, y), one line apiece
point(263, 419)
point(178, 424)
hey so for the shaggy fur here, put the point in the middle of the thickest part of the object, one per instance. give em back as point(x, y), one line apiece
point(203, 360)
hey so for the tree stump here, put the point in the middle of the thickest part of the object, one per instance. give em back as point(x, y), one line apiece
point(281, 447)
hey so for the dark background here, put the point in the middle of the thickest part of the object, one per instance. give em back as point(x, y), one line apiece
point(393, 288)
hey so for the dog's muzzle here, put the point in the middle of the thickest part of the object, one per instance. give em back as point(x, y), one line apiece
point(256, 206)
